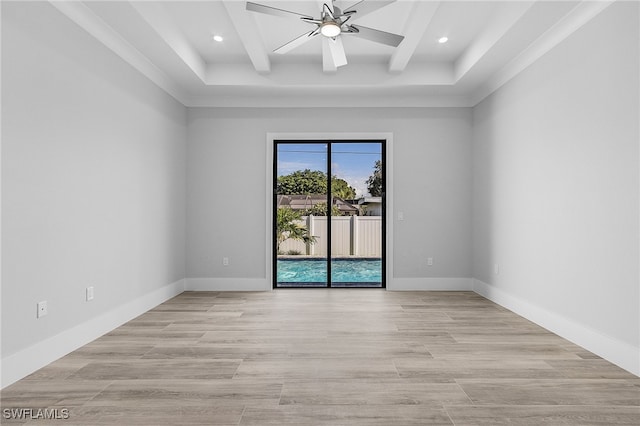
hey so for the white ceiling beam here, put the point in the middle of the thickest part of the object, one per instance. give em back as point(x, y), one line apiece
point(504, 21)
point(249, 34)
point(86, 19)
point(155, 14)
point(416, 25)
point(580, 15)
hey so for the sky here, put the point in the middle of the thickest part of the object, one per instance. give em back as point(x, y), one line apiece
point(351, 161)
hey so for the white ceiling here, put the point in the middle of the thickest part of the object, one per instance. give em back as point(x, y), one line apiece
point(489, 42)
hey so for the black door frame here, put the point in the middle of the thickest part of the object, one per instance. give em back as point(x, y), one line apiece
point(328, 142)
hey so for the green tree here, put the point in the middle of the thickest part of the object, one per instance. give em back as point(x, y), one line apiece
point(374, 183)
point(303, 182)
point(340, 188)
point(313, 182)
point(287, 228)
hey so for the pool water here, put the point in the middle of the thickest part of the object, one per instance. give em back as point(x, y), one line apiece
point(345, 272)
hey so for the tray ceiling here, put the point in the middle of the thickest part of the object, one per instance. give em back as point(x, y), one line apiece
point(172, 43)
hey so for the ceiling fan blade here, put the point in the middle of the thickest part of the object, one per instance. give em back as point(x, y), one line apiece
point(364, 7)
point(274, 11)
point(298, 41)
point(337, 51)
point(327, 9)
point(378, 36)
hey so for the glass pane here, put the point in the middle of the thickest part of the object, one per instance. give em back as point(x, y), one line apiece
point(356, 221)
point(301, 222)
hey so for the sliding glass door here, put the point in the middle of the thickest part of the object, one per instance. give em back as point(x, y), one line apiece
point(300, 212)
point(328, 225)
point(356, 220)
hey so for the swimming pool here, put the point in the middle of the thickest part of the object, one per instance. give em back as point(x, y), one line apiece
point(361, 272)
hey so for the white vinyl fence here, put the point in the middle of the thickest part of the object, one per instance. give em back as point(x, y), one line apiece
point(350, 236)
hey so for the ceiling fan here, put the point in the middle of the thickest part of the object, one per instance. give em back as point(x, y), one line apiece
point(332, 24)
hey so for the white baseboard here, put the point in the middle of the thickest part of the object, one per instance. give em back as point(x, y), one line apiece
point(227, 284)
point(613, 350)
point(16, 366)
point(262, 284)
point(20, 364)
point(430, 284)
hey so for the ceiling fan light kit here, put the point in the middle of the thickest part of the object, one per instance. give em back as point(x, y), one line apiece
point(332, 24)
point(330, 29)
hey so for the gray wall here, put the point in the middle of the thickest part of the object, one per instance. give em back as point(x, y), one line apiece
point(93, 178)
point(556, 180)
point(227, 171)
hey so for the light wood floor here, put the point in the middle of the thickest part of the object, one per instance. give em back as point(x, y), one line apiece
point(331, 357)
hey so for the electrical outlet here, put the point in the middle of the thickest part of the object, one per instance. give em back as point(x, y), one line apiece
point(400, 216)
point(89, 293)
point(429, 261)
point(225, 261)
point(496, 269)
point(42, 309)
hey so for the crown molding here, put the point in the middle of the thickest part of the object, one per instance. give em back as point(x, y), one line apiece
point(240, 100)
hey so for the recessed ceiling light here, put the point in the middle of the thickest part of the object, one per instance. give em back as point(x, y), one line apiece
point(218, 38)
point(443, 40)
